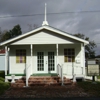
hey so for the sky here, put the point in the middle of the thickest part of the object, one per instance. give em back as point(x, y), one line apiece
point(72, 16)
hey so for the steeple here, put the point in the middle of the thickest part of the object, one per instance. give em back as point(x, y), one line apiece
point(45, 17)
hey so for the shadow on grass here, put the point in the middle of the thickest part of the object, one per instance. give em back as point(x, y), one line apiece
point(3, 85)
point(92, 88)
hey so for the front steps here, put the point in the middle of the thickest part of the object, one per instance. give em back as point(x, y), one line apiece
point(41, 81)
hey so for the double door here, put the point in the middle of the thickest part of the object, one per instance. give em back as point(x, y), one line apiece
point(46, 62)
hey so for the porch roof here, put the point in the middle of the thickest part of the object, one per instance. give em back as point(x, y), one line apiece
point(48, 28)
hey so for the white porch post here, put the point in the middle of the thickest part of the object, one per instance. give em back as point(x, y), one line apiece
point(57, 57)
point(83, 58)
point(6, 62)
point(31, 56)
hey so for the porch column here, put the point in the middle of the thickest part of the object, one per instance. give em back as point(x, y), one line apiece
point(83, 58)
point(57, 56)
point(6, 62)
point(31, 56)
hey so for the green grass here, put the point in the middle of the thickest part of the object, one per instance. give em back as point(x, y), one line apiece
point(89, 87)
point(3, 85)
point(98, 77)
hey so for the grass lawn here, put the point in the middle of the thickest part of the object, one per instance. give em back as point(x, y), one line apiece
point(89, 87)
point(98, 77)
point(3, 85)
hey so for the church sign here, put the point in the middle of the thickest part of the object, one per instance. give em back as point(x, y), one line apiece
point(93, 70)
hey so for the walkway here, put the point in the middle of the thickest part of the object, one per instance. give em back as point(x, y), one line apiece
point(45, 92)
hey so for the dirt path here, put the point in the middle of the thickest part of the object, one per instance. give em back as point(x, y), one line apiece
point(45, 92)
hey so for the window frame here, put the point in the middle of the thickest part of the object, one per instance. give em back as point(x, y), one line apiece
point(69, 55)
point(20, 56)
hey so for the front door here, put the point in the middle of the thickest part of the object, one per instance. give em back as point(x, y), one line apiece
point(46, 62)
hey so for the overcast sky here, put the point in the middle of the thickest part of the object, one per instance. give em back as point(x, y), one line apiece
point(87, 23)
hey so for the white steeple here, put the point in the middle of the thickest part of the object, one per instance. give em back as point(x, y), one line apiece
point(45, 17)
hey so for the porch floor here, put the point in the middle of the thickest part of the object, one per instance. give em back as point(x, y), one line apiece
point(46, 74)
point(16, 74)
point(41, 74)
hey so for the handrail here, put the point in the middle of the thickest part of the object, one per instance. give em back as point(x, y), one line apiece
point(59, 69)
point(60, 72)
point(28, 70)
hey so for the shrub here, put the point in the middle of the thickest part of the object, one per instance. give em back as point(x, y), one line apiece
point(2, 74)
point(2, 79)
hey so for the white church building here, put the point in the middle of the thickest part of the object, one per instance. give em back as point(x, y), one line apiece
point(45, 50)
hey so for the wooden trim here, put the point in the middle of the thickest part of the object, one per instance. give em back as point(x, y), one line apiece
point(49, 29)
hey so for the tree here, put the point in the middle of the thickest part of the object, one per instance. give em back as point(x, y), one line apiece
point(11, 33)
point(5, 36)
point(89, 49)
point(15, 31)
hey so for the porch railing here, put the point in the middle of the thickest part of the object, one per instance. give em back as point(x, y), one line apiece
point(77, 68)
point(60, 72)
point(28, 73)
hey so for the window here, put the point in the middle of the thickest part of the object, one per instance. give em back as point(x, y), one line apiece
point(69, 55)
point(21, 56)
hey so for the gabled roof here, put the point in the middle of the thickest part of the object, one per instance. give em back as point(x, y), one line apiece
point(49, 28)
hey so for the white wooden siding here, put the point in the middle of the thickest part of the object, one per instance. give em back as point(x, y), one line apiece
point(18, 68)
point(44, 38)
point(67, 66)
point(2, 61)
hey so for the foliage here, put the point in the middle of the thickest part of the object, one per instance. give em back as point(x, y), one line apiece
point(98, 77)
point(5, 36)
point(89, 49)
point(11, 33)
point(15, 31)
point(2, 74)
point(3, 85)
point(2, 79)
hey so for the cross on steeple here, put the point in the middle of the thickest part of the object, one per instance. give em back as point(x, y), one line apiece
point(45, 17)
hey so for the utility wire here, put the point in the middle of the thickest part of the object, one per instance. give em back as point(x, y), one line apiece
point(7, 16)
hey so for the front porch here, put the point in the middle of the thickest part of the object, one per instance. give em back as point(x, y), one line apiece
point(44, 60)
point(19, 76)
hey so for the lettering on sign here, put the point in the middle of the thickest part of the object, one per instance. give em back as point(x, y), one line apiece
point(93, 70)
